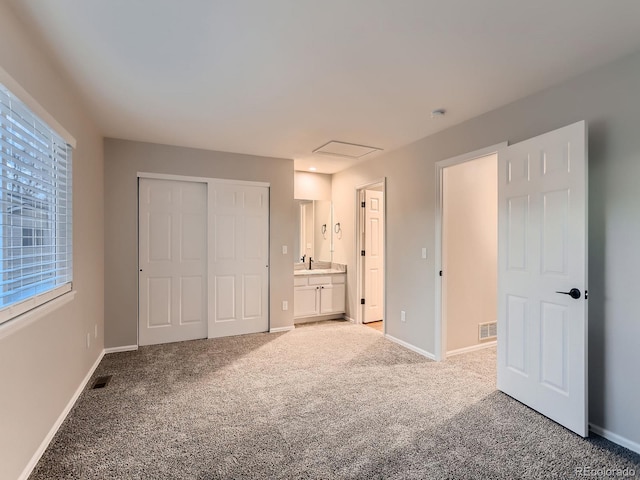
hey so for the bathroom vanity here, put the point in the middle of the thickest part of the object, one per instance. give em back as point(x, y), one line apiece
point(319, 294)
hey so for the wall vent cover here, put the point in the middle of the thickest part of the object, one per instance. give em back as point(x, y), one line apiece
point(487, 330)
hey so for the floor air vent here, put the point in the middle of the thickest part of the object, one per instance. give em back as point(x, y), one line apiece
point(487, 330)
point(101, 382)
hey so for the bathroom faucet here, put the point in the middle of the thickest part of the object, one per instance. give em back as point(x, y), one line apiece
point(310, 260)
point(303, 257)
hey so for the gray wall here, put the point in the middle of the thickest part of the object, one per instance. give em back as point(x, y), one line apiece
point(609, 100)
point(123, 160)
point(43, 362)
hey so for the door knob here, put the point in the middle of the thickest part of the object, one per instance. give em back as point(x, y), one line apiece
point(573, 293)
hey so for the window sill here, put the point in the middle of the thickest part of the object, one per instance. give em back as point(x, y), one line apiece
point(28, 318)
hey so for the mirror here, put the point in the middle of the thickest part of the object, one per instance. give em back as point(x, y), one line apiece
point(314, 229)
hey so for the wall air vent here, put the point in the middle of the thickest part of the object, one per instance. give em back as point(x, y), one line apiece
point(346, 150)
point(487, 331)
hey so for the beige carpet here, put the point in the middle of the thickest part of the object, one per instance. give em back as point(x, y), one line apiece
point(330, 400)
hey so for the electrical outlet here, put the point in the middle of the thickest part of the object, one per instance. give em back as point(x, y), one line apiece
point(285, 305)
point(88, 340)
point(424, 253)
point(95, 330)
point(403, 316)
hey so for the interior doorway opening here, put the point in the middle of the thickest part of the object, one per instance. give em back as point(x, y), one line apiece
point(370, 251)
point(542, 272)
point(466, 252)
point(469, 255)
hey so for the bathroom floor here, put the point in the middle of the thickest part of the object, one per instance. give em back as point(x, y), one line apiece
point(379, 325)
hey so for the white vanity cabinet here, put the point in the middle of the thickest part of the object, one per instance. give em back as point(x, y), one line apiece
point(319, 295)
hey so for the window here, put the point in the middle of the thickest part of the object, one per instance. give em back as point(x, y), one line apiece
point(35, 210)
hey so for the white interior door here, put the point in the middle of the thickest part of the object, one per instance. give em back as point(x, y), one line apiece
point(374, 256)
point(542, 237)
point(239, 264)
point(172, 261)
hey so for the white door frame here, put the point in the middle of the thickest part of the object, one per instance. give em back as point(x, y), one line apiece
point(358, 247)
point(210, 234)
point(440, 334)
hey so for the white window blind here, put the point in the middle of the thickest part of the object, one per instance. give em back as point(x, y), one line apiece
point(35, 210)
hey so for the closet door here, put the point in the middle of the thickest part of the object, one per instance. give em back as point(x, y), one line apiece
point(239, 262)
point(172, 261)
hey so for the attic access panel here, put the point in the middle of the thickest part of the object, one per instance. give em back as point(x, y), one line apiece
point(344, 149)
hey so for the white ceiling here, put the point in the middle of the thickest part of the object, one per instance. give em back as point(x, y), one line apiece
point(282, 77)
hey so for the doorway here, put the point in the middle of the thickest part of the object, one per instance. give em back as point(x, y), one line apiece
point(441, 293)
point(542, 272)
point(371, 253)
point(469, 255)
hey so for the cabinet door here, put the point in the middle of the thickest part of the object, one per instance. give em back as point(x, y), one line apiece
point(306, 301)
point(332, 299)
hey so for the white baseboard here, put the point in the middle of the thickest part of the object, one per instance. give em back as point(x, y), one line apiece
point(413, 348)
point(472, 348)
point(615, 438)
point(54, 429)
point(124, 348)
point(349, 319)
point(282, 329)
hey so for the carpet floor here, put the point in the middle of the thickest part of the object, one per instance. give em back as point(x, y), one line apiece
point(327, 400)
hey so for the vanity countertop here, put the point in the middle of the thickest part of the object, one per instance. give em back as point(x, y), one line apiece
point(319, 271)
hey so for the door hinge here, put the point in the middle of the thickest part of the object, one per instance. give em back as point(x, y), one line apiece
point(586, 294)
point(362, 301)
point(440, 272)
point(363, 204)
point(362, 253)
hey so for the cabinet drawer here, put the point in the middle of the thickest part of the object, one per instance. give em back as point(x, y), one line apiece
point(319, 280)
point(339, 279)
point(299, 281)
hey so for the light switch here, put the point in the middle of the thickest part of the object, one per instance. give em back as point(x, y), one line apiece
point(284, 249)
point(424, 253)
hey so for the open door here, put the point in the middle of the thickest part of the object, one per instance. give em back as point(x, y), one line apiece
point(373, 258)
point(542, 274)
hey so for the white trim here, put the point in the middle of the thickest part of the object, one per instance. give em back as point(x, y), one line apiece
point(15, 88)
point(349, 319)
point(32, 316)
point(408, 346)
point(123, 348)
point(472, 348)
point(440, 326)
point(282, 329)
point(615, 438)
point(63, 415)
point(183, 178)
